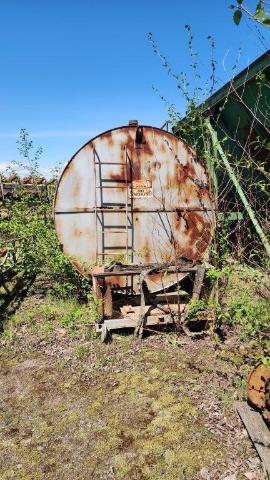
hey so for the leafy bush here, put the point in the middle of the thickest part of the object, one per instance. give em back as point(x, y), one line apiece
point(246, 304)
point(240, 302)
point(30, 238)
point(28, 233)
point(243, 303)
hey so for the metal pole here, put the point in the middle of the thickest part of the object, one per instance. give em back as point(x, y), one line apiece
point(238, 187)
point(2, 188)
point(95, 209)
point(126, 205)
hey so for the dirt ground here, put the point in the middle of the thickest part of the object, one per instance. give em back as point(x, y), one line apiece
point(162, 408)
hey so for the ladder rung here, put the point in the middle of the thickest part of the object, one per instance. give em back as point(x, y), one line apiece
point(112, 253)
point(109, 205)
point(116, 180)
point(109, 186)
point(117, 226)
point(108, 247)
point(114, 231)
point(111, 163)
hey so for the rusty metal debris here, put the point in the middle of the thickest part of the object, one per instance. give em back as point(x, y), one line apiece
point(259, 389)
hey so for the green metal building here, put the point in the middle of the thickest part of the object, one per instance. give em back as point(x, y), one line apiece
point(240, 111)
point(237, 121)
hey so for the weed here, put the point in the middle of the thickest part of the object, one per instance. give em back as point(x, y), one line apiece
point(77, 318)
point(83, 351)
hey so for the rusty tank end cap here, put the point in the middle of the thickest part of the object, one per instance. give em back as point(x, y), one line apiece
point(259, 389)
point(133, 123)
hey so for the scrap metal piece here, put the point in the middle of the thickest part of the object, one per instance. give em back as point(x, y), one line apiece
point(259, 389)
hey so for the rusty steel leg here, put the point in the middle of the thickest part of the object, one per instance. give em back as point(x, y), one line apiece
point(138, 332)
point(198, 283)
point(98, 293)
point(104, 333)
point(108, 309)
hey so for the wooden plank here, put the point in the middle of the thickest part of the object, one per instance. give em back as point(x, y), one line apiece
point(115, 323)
point(156, 311)
point(258, 432)
point(198, 283)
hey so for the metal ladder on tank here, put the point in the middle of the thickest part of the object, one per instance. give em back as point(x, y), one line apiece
point(99, 211)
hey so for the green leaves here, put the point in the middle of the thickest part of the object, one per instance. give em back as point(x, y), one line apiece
point(261, 12)
point(259, 9)
point(237, 17)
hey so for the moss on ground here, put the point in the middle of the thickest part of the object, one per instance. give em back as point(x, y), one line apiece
point(137, 423)
point(76, 408)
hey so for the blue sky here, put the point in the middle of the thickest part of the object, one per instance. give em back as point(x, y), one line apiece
point(73, 68)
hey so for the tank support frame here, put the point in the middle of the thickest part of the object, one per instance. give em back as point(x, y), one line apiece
point(149, 312)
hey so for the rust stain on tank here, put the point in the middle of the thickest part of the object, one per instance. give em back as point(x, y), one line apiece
point(196, 236)
point(199, 228)
point(76, 188)
point(162, 148)
point(77, 232)
point(146, 252)
point(180, 174)
point(147, 149)
point(135, 159)
point(122, 176)
point(109, 138)
point(157, 165)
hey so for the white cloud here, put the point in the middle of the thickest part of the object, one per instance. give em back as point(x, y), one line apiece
point(44, 171)
point(3, 166)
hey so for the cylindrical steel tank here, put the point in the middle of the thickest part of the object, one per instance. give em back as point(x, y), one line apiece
point(135, 194)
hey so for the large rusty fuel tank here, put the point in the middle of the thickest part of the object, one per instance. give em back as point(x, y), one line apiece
point(134, 194)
